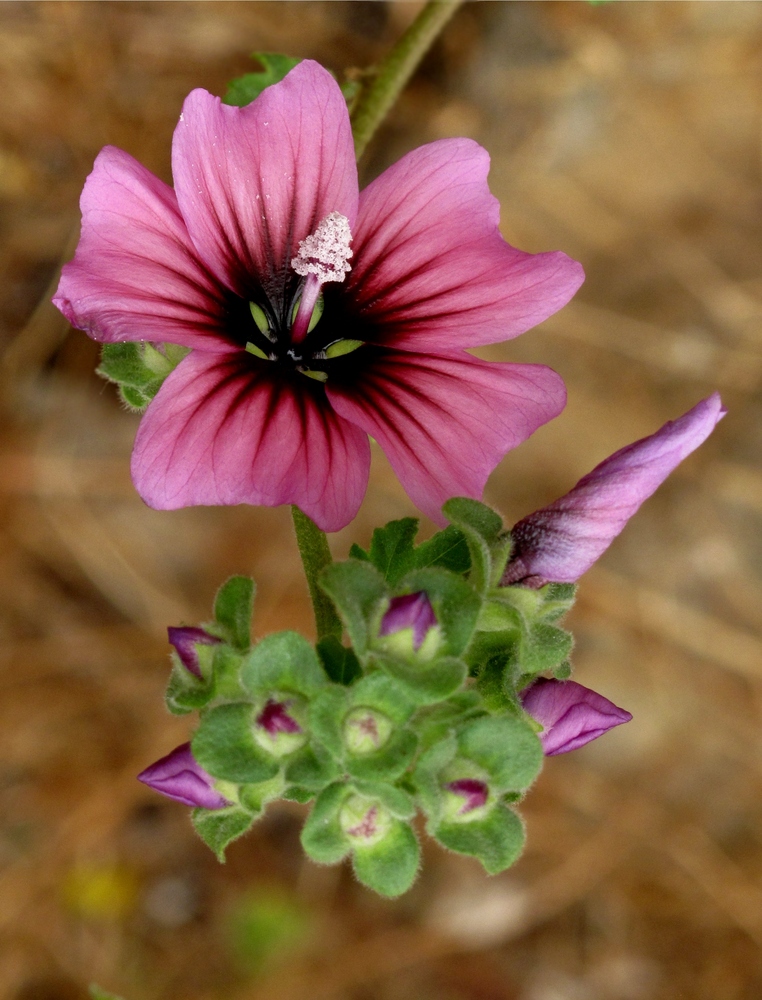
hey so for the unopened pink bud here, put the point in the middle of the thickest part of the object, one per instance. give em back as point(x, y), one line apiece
point(571, 715)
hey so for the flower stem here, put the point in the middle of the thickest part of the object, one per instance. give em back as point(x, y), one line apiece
point(313, 548)
point(395, 71)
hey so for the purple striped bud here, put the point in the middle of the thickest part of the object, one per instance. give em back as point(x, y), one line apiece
point(473, 792)
point(179, 777)
point(413, 611)
point(185, 639)
point(562, 541)
point(570, 715)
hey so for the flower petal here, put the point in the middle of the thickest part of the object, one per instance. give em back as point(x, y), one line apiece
point(180, 777)
point(185, 639)
point(445, 421)
point(254, 181)
point(135, 275)
point(571, 715)
point(560, 542)
point(227, 430)
point(431, 270)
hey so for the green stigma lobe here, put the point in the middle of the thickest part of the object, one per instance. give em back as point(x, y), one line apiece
point(341, 347)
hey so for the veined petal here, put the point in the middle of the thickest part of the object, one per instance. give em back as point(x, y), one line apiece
point(228, 430)
point(431, 270)
point(445, 421)
point(560, 542)
point(254, 181)
point(571, 715)
point(136, 275)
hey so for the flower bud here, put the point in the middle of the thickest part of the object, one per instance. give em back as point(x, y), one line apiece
point(466, 799)
point(180, 777)
point(185, 639)
point(411, 624)
point(364, 821)
point(366, 730)
point(571, 715)
point(278, 727)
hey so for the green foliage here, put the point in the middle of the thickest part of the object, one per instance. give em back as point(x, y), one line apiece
point(138, 368)
point(266, 925)
point(373, 731)
point(220, 827)
point(233, 606)
point(244, 89)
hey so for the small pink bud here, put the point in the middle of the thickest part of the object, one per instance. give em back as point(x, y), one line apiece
point(571, 715)
point(185, 639)
point(411, 611)
point(180, 777)
point(474, 793)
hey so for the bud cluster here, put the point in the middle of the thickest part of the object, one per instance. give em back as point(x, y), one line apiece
point(446, 699)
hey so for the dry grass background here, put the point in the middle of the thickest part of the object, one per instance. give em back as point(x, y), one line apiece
point(629, 136)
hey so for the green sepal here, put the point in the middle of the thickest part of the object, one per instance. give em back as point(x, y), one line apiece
point(138, 369)
point(430, 765)
point(136, 400)
point(227, 674)
point(311, 768)
point(425, 682)
point(456, 604)
point(506, 748)
point(283, 661)
point(544, 647)
point(563, 671)
point(359, 593)
point(485, 646)
point(447, 548)
point(388, 762)
point(233, 606)
point(327, 711)
point(356, 552)
point(185, 692)
point(379, 692)
point(391, 549)
point(254, 797)
point(558, 599)
point(339, 661)
point(435, 722)
point(224, 746)
point(496, 840)
point(244, 89)
point(488, 545)
point(389, 867)
point(396, 800)
point(495, 687)
point(220, 827)
point(295, 793)
point(322, 838)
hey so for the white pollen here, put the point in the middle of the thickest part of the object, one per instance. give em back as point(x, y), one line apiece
point(326, 252)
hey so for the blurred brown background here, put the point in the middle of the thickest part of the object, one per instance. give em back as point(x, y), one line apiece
point(629, 136)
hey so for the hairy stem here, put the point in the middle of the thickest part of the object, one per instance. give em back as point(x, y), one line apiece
point(395, 71)
point(313, 548)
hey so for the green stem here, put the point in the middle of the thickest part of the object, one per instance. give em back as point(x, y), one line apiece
point(395, 71)
point(313, 548)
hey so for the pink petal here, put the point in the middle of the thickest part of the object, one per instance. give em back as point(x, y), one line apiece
point(430, 266)
point(180, 777)
point(227, 430)
point(135, 275)
point(571, 715)
point(444, 422)
point(252, 182)
point(560, 542)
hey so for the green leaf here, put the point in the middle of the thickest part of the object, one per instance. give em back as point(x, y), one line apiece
point(97, 993)
point(558, 598)
point(389, 867)
point(339, 661)
point(322, 838)
point(497, 840)
point(244, 89)
point(506, 747)
point(359, 593)
point(391, 548)
point(355, 552)
point(233, 606)
point(311, 768)
point(455, 602)
point(219, 827)
point(283, 661)
point(425, 682)
point(448, 549)
point(487, 544)
point(224, 746)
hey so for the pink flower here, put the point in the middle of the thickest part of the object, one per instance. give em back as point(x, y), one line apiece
point(413, 611)
point(179, 777)
point(571, 715)
point(316, 315)
point(562, 541)
point(185, 639)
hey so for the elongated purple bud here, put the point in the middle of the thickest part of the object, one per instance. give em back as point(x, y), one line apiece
point(179, 777)
point(185, 639)
point(560, 542)
point(411, 611)
point(571, 715)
